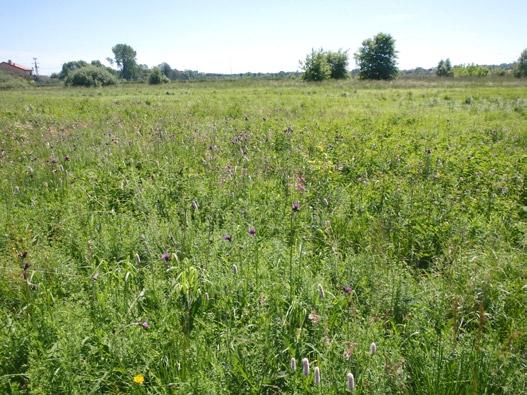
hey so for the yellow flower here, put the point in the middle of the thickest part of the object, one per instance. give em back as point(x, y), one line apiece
point(139, 379)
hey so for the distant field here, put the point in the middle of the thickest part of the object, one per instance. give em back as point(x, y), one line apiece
point(200, 235)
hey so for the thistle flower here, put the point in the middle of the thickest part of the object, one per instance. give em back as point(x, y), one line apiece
point(350, 381)
point(295, 206)
point(321, 292)
point(317, 376)
point(251, 231)
point(227, 237)
point(145, 325)
point(234, 269)
point(373, 348)
point(305, 366)
point(165, 256)
point(347, 289)
point(293, 364)
point(139, 379)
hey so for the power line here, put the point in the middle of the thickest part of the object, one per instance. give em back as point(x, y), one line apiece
point(36, 67)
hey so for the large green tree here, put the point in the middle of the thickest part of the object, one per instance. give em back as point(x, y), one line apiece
point(125, 58)
point(377, 58)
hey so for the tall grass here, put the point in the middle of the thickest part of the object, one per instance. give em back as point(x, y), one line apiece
point(409, 233)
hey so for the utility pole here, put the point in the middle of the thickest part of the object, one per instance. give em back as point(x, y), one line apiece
point(36, 67)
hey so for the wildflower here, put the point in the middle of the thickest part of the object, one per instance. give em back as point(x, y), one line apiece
point(314, 317)
point(165, 256)
point(351, 381)
point(66, 158)
point(373, 348)
point(295, 206)
point(347, 289)
point(251, 231)
point(195, 205)
point(206, 296)
point(227, 237)
point(139, 379)
point(300, 184)
point(293, 364)
point(305, 366)
point(317, 376)
point(234, 269)
point(145, 325)
point(321, 292)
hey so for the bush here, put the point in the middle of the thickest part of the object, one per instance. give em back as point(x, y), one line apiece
point(470, 70)
point(12, 81)
point(91, 76)
point(157, 77)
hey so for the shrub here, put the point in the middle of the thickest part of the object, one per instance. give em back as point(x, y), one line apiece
point(91, 76)
point(157, 77)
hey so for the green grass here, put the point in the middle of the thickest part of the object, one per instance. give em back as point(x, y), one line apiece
point(413, 196)
point(12, 81)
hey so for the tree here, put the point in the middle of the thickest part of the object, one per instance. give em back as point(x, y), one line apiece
point(68, 67)
point(125, 58)
point(444, 68)
point(338, 62)
point(90, 75)
point(157, 77)
point(166, 69)
point(377, 58)
point(316, 66)
point(520, 69)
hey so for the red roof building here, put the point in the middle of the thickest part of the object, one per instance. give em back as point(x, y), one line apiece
point(16, 68)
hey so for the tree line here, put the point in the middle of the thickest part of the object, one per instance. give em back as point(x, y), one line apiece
point(377, 60)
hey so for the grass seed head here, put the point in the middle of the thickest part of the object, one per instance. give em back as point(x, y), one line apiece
point(317, 376)
point(350, 382)
point(305, 366)
point(321, 292)
point(293, 364)
point(373, 348)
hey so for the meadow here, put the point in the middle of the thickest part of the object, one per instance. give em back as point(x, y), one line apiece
point(193, 238)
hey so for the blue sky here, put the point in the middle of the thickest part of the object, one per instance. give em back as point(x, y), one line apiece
point(238, 36)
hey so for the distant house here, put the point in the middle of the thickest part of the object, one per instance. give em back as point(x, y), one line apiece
point(16, 68)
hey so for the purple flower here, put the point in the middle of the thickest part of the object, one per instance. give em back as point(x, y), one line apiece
point(165, 256)
point(227, 237)
point(347, 289)
point(145, 325)
point(251, 231)
point(295, 206)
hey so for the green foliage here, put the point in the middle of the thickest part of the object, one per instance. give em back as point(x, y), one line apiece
point(157, 77)
point(13, 81)
point(377, 58)
point(410, 233)
point(520, 68)
point(90, 76)
point(321, 65)
point(69, 67)
point(316, 66)
point(470, 70)
point(125, 58)
point(444, 68)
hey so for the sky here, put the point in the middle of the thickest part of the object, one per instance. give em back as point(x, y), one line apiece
point(240, 36)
